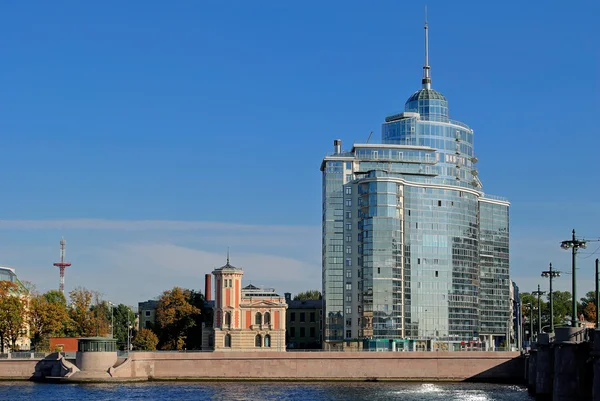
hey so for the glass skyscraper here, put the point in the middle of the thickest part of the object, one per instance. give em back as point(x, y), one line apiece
point(415, 254)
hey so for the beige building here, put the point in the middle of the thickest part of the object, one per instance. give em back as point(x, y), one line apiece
point(248, 318)
point(147, 314)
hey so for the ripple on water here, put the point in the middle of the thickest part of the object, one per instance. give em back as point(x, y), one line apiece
point(250, 391)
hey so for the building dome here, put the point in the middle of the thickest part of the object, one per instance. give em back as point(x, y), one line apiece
point(426, 94)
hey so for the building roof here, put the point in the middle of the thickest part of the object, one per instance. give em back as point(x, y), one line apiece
point(8, 274)
point(228, 267)
point(308, 304)
point(426, 94)
point(258, 292)
point(251, 287)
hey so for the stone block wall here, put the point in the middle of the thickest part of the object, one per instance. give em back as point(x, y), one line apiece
point(425, 366)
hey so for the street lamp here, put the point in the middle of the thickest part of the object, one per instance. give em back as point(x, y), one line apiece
point(529, 305)
point(574, 244)
point(539, 294)
point(551, 274)
point(129, 327)
point(112, 320)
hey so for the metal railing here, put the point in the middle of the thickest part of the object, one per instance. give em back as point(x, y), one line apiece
point(495, 197)
point(24, 355)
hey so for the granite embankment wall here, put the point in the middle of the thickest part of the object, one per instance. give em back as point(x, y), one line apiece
point(17, 369)
point(422, 366)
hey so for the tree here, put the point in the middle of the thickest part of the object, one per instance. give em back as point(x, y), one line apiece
point(12, 314)
point(47, 317)
point(83, 317)
point(123, 317)
point(562, 307)
point(145, 340)
point(589, 312)
point(194, 333)
point(310, 295)
point(175, 316)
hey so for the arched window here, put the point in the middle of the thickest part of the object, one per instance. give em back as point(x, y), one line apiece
point(258, 319)
point(227, 341)
point(268, 341)
point(267, 318)
point(227, 318)
point(258, 341)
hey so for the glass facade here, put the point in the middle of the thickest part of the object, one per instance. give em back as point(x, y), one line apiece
point(412, 247)
point(495, 281)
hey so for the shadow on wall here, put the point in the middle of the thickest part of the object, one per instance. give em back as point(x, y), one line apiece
point(54, 365)
point(509, 372)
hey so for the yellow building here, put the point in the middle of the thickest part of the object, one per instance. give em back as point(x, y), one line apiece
point(248, 318)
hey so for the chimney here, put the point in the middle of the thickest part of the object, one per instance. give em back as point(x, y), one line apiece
point(288, 297)
point(337, 146)
point(207, 287)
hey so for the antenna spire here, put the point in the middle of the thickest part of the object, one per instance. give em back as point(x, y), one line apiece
point(426, 77)
point(227, 255)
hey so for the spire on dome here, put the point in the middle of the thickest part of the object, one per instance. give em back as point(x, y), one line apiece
point(426, 81)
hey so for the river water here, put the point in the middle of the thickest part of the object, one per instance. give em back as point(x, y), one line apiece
point(238, 391)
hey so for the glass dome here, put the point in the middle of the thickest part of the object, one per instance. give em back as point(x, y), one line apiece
point(429, 103)
point(426, 94)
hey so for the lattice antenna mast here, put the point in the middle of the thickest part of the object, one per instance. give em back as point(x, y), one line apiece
point(62, 264)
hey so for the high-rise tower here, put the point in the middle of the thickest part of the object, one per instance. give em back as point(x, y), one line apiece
point(62, 264)
point(415, 254)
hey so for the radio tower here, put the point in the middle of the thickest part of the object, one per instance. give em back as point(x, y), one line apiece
point(62, 264)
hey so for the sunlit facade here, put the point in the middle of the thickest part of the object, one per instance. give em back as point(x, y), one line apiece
point(415, 254)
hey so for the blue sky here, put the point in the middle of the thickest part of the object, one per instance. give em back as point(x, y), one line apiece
point(153, 135)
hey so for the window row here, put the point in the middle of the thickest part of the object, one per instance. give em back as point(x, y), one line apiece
point(257, 320)
point(258, 341)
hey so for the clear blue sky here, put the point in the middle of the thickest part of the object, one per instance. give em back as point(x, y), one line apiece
point(221, 111)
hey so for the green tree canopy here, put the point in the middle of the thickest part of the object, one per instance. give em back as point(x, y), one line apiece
point(123, 317)
point(310, 295)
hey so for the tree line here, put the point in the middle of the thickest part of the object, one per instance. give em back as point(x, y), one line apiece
point(24, 312)
point(180, 316)
point(562, 307)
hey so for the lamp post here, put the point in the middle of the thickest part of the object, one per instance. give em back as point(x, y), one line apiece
point(539, 294)
point(112, 320)
point(529, 305)
point(128, 333)
point(574, 244)
point(597, 296)
point(551, 274)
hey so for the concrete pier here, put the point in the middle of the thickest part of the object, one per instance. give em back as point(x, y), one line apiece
point(571, 367)
point(532, 370)
point(544, 375)
point(596, 365)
